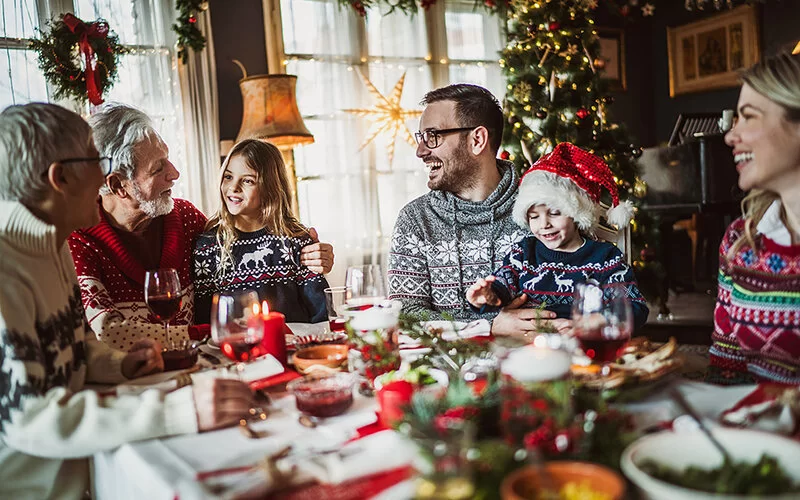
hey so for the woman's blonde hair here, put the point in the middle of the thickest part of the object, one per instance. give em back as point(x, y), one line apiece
point(778, 79)
point(274, 192)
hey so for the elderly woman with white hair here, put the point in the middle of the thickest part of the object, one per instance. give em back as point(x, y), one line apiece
point(50, 172)
point(142, 227)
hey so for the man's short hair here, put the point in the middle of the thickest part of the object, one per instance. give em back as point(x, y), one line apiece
point(475, 106)
point(33, 136)
point(118, 129)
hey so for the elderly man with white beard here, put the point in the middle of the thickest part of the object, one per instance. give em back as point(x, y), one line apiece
point(142, 227)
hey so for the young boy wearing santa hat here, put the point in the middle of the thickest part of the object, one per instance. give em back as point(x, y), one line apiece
point(559, 201)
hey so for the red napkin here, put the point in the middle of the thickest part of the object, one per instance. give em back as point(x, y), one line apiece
point(281, 378)
point(763, 409)
point(355, 489)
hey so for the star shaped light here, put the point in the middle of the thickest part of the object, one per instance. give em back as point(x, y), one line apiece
point(648, 9)
point(387, 116)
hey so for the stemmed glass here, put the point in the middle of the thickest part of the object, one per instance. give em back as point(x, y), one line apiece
point(365, 284)
point(163, 296)
point(237, 325)
point(602, 320)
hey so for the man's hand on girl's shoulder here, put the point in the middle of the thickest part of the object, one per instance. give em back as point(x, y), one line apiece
point(317, 257)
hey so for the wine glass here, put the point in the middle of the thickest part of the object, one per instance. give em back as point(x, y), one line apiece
point(163, 296)
point(365, 284)
point(602, 320)
point(237, 325)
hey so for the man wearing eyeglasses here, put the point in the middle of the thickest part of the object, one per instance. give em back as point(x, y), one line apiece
point(142, 227)
point(50, 173)
point(462, 229)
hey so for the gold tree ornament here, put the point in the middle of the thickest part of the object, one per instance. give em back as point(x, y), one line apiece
point(387, 116)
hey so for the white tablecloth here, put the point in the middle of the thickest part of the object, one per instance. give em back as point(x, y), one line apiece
point(167, 468)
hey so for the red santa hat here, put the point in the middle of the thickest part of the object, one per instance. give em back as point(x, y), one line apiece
point(569, 179)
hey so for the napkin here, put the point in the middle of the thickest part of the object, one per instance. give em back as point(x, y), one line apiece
point(259, 369)
point(770, 408)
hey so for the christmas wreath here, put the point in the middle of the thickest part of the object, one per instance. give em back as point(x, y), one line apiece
point(79, 59)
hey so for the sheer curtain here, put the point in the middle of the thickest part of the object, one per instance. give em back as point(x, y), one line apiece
point(198, 79)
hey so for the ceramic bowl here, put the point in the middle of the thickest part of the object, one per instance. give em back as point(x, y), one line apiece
point(332, 356)
point(523, 483)
point(681, 449)
point(325, 395)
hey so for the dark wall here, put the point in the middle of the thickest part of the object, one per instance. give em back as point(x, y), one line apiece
point(777, 28)
point(238, 28)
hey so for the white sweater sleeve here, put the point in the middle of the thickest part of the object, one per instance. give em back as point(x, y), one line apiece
point(40, 415)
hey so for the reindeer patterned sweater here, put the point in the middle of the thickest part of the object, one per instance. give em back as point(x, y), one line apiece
point(263, 262)
point(549, 276)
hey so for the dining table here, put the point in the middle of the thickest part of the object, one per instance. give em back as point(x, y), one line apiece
point(284, 451)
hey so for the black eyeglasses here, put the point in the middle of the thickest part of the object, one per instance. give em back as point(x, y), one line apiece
point(431, 136)
point(103, 161)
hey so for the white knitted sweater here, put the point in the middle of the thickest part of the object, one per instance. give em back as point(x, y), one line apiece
point(48, 424)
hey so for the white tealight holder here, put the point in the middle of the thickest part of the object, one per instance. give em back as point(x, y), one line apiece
point(536, 364)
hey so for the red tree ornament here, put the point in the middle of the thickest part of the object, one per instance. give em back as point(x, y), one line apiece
point(582, 113)
point(505, 155)
point(553, 26)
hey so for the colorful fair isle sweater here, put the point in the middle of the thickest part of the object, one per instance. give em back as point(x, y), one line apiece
point(112, 278)
point(263, 262)
point(441, 245)
point(757, 318)
point(549, 276)
point(48, 424)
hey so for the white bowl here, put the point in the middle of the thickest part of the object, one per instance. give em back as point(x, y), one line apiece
point(680, 450)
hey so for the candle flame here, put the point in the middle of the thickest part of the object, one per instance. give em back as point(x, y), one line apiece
point(265, 307)
point(255, 309)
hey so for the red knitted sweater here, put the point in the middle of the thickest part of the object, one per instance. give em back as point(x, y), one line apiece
point(112, 279)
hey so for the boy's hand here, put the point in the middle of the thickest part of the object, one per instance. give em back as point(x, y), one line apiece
point(481, 293)
point(516, 320)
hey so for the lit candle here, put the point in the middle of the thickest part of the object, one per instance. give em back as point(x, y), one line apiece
point(274, 341)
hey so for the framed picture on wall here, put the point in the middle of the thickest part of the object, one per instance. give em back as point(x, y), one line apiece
point(708, 54)
point(611, 61)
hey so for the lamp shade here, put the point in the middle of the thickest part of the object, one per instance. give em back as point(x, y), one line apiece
point(270, 111)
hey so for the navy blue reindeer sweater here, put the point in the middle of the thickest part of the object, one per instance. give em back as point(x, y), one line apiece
point(549, 276)
point(265, 263)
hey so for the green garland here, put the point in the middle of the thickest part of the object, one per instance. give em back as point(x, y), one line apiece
point(63, 65)
point(189, 35)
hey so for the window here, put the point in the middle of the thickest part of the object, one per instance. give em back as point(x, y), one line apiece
point(353, 196)
point(147, 76)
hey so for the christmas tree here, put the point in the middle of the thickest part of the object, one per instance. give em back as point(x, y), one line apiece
point(555, 93)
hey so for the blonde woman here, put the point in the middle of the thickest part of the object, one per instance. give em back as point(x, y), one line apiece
point(757, 318)
point(254, 240)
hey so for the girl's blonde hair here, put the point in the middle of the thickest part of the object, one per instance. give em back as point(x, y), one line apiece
point(274, 192)
point(778, 79)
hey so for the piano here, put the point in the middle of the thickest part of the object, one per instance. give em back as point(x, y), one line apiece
point(691, 187)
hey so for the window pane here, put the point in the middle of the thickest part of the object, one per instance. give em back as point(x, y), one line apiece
point(334, 28)
point(396, 35)
point(486, 75)
point(20, 78)
point(472, 34)
point(146, 24)
point(20, 17)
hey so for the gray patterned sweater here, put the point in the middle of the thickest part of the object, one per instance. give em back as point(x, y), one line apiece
point(442, 244)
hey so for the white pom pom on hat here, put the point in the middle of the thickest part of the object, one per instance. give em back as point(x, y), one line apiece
point(570, 180)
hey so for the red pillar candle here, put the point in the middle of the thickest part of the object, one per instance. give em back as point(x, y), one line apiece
point(274, 341)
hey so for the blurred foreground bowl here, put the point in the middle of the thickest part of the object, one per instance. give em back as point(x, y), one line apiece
point(526, 482)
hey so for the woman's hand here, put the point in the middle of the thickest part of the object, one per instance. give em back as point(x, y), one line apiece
point(221, 402)
point(317, 257)
point(144, 358)
point(516, 320)
point(481, 293)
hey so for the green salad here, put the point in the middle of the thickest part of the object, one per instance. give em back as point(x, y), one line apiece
point(418, 376)
point(766, 477)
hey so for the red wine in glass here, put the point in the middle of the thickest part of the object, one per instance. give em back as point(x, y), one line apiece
point(337, 324)
point(602, 347)
point(239, 347)
point(164, 307)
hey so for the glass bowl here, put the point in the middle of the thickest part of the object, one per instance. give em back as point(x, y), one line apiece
point(325, 395)
point(179, 354)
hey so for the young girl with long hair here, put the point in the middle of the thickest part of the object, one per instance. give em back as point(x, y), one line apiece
point(253, 241)
point(757, 318)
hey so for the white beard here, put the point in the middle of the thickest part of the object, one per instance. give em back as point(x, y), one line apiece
point(152, 208)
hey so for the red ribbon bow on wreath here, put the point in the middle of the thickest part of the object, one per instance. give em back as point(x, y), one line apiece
point(86, 32)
